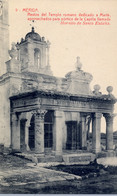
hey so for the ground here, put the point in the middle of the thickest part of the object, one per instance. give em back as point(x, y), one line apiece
point(20, 176)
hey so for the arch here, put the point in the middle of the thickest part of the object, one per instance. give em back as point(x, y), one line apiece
point(48, 129)
point(24, 57)
point(31, 139)
point(37, 57)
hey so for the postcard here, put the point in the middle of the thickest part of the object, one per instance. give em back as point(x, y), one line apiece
point(58, 94)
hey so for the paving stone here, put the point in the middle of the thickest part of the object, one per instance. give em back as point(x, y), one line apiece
point(69, 177)
point(4, 184)
point(42, 181)
point(32, 182)
point(24, 176)
point(19, 183)
point(55, 179)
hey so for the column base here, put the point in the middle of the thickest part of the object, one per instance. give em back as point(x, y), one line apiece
point(96, 150)
point(110, 153)
point(57, 153)
point(14, 150)
point(38, 152)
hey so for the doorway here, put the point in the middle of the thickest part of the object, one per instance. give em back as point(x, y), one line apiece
point(73, 135)
point(22, 134)
point(31, 140)
point(48, 130)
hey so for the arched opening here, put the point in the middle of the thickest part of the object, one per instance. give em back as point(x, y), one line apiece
point(31, 139)
point(37, 57)
point(24, 58)
point(48, 130)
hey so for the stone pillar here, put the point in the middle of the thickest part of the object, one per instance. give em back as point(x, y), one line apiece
point(109, 131)
point(83, 135)
point(27, 134)
point(39, 131)
point(28, 119)
point(96, 129)
point(57, 133)
point(48, 46)
point(15, 132)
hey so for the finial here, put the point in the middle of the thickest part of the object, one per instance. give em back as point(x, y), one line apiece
point(13, 46)
point(78, 63)
point(96, 89)
point(13, 52)
point(109, 89)
point(22, 39)
point(43, 38)
point(33, 29)
point(48, 43)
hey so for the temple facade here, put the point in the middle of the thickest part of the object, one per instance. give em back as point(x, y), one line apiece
point(42, 113)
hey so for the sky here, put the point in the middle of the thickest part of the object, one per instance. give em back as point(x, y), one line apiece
point(96, 45)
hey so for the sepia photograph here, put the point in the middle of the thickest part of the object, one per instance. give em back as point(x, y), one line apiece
point(58, 97)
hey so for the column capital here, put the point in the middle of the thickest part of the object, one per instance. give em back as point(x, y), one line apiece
point(15, 116)
point(39, 113)
point(109, 117)
point(97, 115)
point(85, 114)
point(58, 114)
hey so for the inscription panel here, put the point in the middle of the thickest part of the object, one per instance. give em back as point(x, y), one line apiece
point(77, 104)
point(62, 104)
point(24, 102)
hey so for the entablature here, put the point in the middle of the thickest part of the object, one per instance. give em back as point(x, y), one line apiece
point(66, 102)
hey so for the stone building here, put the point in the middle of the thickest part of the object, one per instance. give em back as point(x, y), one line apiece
point(41, 113)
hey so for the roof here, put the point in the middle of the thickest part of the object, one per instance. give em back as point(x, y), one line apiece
point(33, 35)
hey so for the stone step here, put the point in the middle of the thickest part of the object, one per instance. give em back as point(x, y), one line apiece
point(47, 159)
point(79, 158)
point(67, 158)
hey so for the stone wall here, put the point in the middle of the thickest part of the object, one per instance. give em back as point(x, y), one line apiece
point(5, 114)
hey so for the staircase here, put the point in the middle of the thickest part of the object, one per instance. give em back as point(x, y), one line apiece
point(68, 158)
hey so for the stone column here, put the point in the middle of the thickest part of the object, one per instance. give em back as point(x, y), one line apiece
point(15, 132)
point(109, 131)
point(83, 136)
point(39, 131)
point(27, 134)
point(28, 119)
point(57, 133)
point(96, 129)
